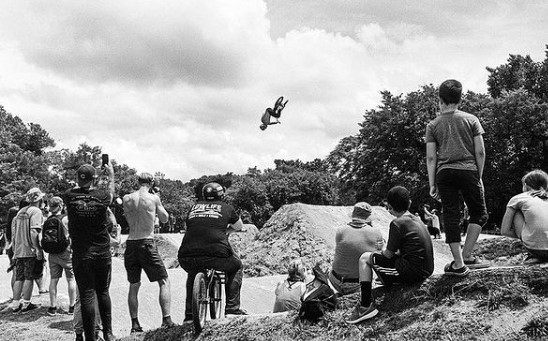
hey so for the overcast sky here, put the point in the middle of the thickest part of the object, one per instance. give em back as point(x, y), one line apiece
point(179, 86)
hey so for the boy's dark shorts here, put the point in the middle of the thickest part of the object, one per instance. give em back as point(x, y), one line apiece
point(143, 255)
point(390, 273)
point(25, 268)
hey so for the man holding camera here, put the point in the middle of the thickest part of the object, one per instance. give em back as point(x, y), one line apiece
point(87, 207)
point(141, 209)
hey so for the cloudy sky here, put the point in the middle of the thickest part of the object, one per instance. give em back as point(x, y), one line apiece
point(179, 86)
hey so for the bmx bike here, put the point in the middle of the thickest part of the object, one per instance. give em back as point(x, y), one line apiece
point(207, 294)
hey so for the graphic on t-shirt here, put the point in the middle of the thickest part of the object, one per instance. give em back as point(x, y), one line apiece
point(205, 211)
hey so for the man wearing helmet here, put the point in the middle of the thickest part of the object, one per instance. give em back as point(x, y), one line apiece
point(205, 245)
point(141, 208)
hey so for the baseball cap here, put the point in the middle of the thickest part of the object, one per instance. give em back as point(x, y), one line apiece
point(86, 173)
point(361, 212)
point(34, 194)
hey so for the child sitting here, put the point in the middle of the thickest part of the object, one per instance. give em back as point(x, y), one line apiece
point(290, 290)
point(526, 216)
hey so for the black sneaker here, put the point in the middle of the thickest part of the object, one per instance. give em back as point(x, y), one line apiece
point(168, 323)
point(136, 329)
point(29, 307)
point(236, 312)
point(52, 311)
point(363, 313)
point(460, 272)
point(71, 310)
point(188, 318)
point(79, 337)
point(109, 337)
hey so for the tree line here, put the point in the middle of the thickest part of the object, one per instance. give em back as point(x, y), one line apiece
point(388, 149)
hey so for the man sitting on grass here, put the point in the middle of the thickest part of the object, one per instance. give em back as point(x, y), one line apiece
point(407, 259)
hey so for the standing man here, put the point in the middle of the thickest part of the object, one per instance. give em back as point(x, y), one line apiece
point(88, 224)
point(455, 156)
point(205, 245)
point(26, 227)
point(141, 209)
point(56, 242)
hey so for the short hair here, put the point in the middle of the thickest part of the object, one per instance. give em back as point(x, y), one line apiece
point(536, 179)
point(145, 178)
point(398, 198)
point(296, 271)
point(450, 91)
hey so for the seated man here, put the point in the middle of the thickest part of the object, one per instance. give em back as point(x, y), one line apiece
point(414, 262)
point(351, 241)
point(205, 245)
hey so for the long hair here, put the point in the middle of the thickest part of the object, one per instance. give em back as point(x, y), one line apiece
point(538, 181)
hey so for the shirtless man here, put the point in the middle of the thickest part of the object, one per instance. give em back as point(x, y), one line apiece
point(141, 208)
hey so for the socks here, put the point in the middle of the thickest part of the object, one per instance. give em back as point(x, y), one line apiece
point(366, 294)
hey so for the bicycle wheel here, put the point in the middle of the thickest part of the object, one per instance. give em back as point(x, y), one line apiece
point(215, 298)
point(199, 302)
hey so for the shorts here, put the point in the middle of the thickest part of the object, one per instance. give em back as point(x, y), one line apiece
point(143, 255)
point(59, 262)
point(38, 270)
point(25, 268)
point(391, 273)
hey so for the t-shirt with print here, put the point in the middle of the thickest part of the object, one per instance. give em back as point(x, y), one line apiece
point(206, 228)
point(535, 212)
point(454, 134)
point(87, 221)
point(27, 218)
point(409, 235)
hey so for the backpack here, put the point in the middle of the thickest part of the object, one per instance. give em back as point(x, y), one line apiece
point(318, 298)
point(54, 239)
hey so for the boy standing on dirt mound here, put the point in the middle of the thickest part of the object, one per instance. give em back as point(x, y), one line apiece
point(455, 156)
point(141, 209)
point(407, 259)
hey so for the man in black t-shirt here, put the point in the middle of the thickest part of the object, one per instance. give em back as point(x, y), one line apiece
point(413, 263)
point(88, 224)
point(205, 245)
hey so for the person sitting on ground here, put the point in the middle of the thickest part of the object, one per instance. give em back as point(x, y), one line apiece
point(407, 259)
point(59, 253)
point(351, 241)
point(290, 291)
point(526, 216)
point(205, 245)
point(143, 208)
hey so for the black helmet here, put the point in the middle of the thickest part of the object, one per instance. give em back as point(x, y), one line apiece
point(213, 191)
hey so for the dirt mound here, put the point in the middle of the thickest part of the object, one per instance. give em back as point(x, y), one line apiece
point(300, 231)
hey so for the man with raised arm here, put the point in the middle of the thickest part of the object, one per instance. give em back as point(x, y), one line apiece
point(88, 223)
point(141, 208)
point(205, 245)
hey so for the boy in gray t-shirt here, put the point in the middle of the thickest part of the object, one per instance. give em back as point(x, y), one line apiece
point(455, 157)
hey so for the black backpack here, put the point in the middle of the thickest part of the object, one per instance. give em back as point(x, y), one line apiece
point(318, 298)
point(54, 239)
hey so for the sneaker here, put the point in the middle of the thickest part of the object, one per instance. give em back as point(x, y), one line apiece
point(109, 337)
point(476, 263)
point(167, 323)
point(17, 309)
point(29, 307)
point(52, 311)
point(188, 318)
point(79, 337)
point(136, 329)
point(362, 313)
point(71, 310)
point(236, 312)
point(460, 272)
point(530, 260)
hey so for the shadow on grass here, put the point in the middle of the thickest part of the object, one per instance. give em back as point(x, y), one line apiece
point(62, 325)
point(30, 316)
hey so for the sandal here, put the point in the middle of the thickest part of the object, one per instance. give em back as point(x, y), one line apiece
point(476, 263)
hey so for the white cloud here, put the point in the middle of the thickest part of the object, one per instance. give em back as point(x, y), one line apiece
point(179, 86)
